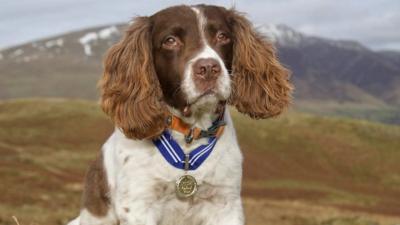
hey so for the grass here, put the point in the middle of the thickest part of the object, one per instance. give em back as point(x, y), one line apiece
point(379, 111)
point(336, 161)
point(45, 152)
point(342, 170)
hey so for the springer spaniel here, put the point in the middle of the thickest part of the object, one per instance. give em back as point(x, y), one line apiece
point(173, 158)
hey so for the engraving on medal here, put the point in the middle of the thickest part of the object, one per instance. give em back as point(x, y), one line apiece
point(186, 186)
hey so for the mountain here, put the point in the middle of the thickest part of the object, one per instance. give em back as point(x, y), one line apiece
point(339, 77)
point(392, 56)
point(298, 170)
point(332, 77)
point(68, 65)
point(344, 71)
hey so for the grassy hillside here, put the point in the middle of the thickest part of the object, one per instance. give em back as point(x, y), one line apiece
point(299, 169)
point(341, 162)
point(380, 112)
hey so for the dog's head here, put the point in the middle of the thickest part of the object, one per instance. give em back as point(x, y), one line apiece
point(190, 58)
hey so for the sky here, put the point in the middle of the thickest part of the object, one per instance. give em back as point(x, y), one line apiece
point(375, 23)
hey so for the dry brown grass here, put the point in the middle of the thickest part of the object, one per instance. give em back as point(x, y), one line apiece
point(284, 212)
point(16, 220)
point(299, 169)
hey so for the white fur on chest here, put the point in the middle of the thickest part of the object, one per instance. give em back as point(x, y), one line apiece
point(143, 182)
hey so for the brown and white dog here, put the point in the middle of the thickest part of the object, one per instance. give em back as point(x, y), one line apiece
point(185, 61)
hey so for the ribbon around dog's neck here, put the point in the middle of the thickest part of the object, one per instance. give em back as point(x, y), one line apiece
point(174, 154)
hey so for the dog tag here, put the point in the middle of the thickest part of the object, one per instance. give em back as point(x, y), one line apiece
point(186, 186)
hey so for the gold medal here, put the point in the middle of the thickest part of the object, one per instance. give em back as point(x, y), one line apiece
point(186, 186)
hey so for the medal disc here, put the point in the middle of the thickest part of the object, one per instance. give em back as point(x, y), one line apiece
point(186, 186)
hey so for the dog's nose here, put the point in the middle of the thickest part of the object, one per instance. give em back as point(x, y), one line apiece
point(207, 69)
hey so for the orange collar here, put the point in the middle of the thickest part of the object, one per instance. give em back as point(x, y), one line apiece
point(194, 133)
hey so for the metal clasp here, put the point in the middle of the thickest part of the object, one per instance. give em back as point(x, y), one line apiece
point(189, 137)
point(212, 131)
point(169, 120)
point(186, 162)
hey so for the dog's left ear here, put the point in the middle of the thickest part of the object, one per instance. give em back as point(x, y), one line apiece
point(261, 86)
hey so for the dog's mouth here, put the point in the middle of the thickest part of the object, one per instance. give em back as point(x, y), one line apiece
point(209, 96)
point(209, 92)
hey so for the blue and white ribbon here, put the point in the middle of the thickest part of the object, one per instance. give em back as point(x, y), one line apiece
point(175, 156)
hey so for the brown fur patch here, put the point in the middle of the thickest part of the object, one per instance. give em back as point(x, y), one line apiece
point(180, 22)
point(96, 192)
point(163, 189)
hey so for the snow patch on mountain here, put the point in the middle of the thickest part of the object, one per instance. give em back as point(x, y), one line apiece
point(92, 37)
point(17, 53)
point(108, 32)
point(55, 43)
point(86, 40)
point(26, 59)
point(281, 34)
point(38, 46)
point(351, 45)
point(289, 37)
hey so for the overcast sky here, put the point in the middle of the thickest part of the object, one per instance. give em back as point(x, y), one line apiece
point(375, 23)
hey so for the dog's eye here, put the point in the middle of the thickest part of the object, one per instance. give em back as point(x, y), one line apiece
point(222, 37)
point(171, 42)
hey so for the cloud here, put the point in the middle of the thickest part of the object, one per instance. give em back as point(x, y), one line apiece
point(374, 23)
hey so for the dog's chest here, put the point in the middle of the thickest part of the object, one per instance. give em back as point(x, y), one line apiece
point(148, 181)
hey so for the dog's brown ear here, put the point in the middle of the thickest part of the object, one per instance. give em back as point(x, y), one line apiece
point(261, 86)
point(130, 90)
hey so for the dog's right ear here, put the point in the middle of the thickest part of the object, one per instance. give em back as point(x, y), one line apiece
point(130, 90)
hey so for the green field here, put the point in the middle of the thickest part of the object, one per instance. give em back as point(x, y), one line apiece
point(299, 169)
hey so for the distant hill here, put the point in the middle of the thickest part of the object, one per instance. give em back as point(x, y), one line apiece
point(63, 66)
point(339, 77)
point(332, 77)
point(298, 169)
point(345, 71)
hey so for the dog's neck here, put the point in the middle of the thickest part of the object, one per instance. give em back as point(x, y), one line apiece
point(201, 117)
